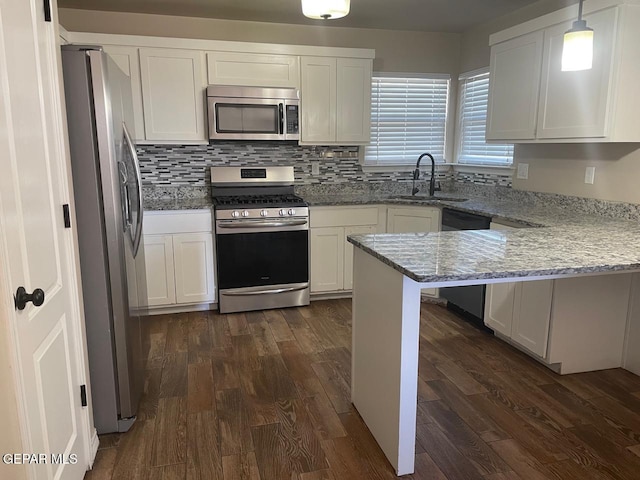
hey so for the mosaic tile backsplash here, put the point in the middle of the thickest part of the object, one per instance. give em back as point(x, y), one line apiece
point(188, 165)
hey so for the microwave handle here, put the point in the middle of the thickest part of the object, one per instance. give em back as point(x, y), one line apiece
point(281, 117)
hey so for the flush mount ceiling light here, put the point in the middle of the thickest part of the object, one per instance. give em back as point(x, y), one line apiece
point(325, 9)
point(577, 49)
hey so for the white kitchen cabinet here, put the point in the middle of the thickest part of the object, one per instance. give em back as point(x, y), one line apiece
point(533, 101)
point(335, 100)
point(327, 259)
point(514, 86)
point(252, 69)
point(520, 311)
point(158, 255)
point(414, 220)
point(577, 104)
point(193, 263)
point(179, 258)
point(331, 253)
point(318, 100)
point(173, 95)
point(129, 62)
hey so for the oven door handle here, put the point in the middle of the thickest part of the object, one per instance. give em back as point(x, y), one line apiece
point(251, 224)
point(235, 293)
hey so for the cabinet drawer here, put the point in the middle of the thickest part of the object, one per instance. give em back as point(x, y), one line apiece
point(180, 221)
point(343, 217)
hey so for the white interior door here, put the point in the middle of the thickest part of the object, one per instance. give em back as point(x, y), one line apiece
point(36, 251)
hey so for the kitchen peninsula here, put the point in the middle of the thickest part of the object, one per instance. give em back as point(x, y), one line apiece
point(391, 269)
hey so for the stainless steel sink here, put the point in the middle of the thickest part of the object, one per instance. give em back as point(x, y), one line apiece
point(426, 198)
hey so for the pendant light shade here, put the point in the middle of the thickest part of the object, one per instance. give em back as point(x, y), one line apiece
point(325, 9)
point(577, 49)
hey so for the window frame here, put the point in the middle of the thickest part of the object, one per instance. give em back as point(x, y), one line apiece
point(459, 140)
point(401, 164)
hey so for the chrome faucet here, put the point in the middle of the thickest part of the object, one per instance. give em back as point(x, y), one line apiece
point(432, 180)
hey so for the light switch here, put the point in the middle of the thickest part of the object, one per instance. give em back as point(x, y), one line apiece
point(590, 175)
point(523, 171)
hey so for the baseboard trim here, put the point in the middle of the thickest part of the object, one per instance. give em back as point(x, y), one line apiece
point(95, 443)
point(198, 307)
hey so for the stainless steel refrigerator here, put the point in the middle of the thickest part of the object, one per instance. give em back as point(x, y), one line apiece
point(108, 203)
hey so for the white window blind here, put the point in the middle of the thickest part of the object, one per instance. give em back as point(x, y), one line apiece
point(408, 118)
point(472, 121)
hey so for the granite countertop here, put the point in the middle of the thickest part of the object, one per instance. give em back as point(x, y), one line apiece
point(490, 254)
point(571, 244)
point(177, 204)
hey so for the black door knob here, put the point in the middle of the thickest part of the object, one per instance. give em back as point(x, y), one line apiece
point(22, 297)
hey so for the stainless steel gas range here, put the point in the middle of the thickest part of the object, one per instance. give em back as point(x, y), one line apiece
point(262, 239)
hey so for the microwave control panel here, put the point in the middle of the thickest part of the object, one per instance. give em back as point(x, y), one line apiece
point(292, 119)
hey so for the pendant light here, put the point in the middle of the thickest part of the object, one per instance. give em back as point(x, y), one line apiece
point(577, 49)
point(325, 9)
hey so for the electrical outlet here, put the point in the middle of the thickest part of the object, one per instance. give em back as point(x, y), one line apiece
point(315, 168)
point(523, 171)
point(590, 175)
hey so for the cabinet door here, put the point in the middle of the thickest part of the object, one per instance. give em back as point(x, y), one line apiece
point(127, 59)
point(353, 92)
point(318, 99)
point(531, 315)
point(498, 307)
point(499, 298)
point(173, 86)
point(193, 257)
point(327, 259)
point(513, 88)
point(158, 253)
point(348, 251)
point(410, 220)
point(251, 69)
point(577, 104)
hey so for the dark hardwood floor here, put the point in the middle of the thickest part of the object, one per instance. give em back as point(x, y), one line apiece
point(265, 396)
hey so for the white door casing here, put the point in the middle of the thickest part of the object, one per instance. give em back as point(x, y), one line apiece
point(36, 251)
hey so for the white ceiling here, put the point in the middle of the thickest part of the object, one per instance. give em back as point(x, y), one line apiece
point(421, 15)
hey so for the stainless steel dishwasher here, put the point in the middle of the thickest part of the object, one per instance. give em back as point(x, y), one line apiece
point(469, 300)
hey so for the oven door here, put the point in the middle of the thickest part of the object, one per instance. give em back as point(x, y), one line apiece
point(246, 119)
point(262, 269)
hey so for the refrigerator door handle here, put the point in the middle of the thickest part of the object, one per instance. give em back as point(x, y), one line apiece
point(137, 237)
point(122, 170)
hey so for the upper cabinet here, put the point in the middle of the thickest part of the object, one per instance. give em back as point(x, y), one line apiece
point(169, 77)
point(173, 94)
point(532, 100)
point(335, 100)
point(127, 59)
point(252, 69)
point(514, 87)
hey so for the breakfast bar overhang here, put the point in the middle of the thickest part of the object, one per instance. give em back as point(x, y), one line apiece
point(391, 269)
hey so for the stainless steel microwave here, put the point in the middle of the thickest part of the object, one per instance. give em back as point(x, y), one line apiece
point(253, 113)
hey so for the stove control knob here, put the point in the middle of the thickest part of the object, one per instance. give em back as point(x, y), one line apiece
point(264, 213)
point(245, 213)
point(235, 214)
point(292, 211)
point(282, 212)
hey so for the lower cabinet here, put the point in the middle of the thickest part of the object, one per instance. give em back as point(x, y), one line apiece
point(179, 258)
point(331, 254)
point(570, 324)
point(520, 311)
point(414, 219)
